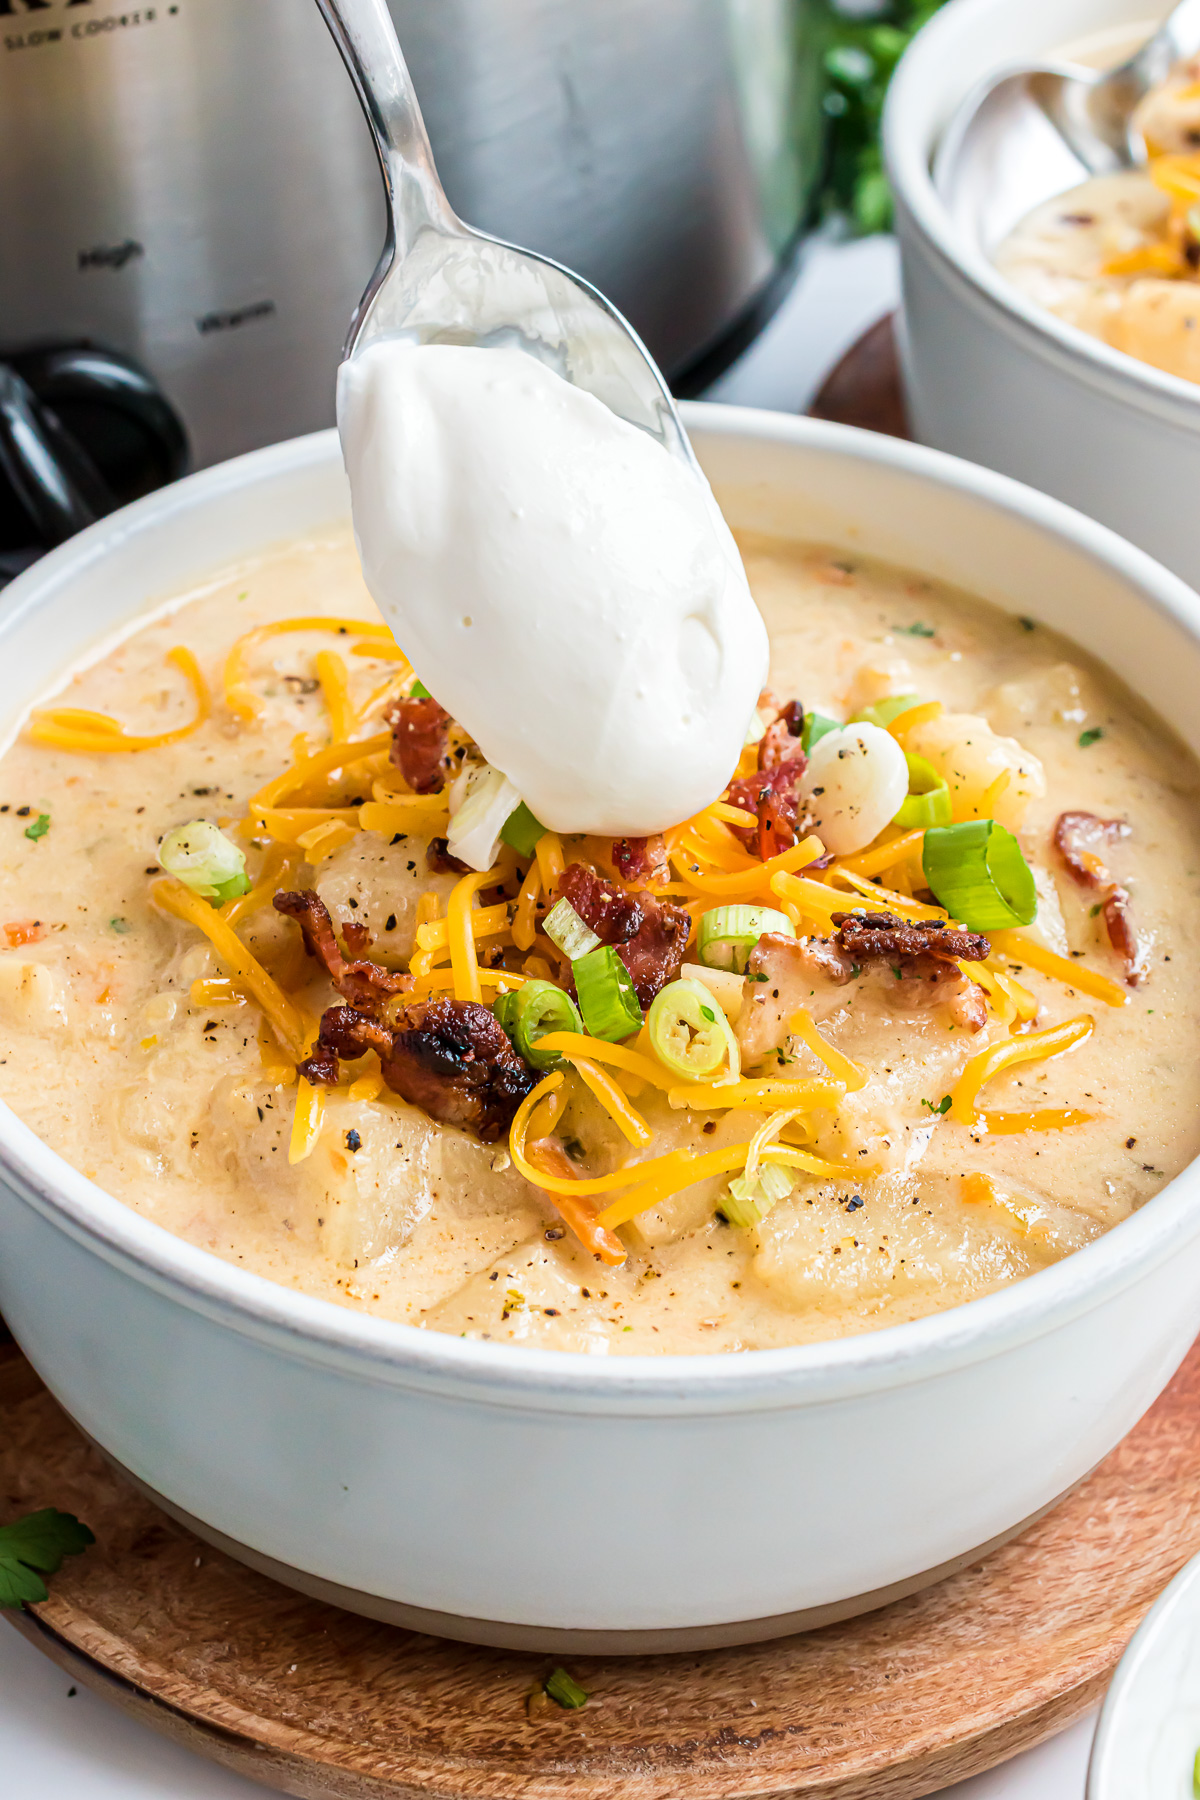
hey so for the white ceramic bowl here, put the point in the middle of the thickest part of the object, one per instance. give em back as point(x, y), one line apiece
point(1148, 1737)
point(995, 378)
point(458, 1485)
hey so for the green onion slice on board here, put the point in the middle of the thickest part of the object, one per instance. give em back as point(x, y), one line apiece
point(606, 995)
point(978, 873)
point(689, 1030)
point(564, 927)
point(928, 801)
point(727, 934)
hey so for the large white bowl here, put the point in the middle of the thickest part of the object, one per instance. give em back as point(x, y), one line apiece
point(525, 1497)
point(990, 375)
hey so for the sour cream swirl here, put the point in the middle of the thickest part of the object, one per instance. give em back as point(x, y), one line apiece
point(563, 585)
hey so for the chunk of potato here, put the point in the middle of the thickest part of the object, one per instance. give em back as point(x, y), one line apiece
point(988, 776)
point(32, 996)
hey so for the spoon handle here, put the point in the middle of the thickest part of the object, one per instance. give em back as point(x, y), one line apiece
point(365, 36)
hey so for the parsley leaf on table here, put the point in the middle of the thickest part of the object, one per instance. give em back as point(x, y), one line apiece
point(35, 1546)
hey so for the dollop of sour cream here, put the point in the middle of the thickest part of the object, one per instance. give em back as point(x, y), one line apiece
point(566, 588)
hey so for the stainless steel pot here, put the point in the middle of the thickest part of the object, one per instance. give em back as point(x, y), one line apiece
point(189, 182)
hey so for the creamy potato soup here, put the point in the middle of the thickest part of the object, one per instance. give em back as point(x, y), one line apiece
point(1119, 255)
point(830, 1056)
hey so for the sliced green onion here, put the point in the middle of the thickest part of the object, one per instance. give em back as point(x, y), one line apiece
point(815, 727)
point(564, 927)
point(748, 1202)
point(977, 872)
point(204, 860)
point(928, 801)
point(728, 934)
point(689, 1031)
point(564, 1691)
point(504, 1007)
point(479, 811)
point(522, 831)
point(606, 995)
point(884, 711)
point(540, 1007)
point(418, 691)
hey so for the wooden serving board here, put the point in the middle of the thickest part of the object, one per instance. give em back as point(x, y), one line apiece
point(317, 1702)
point(865, 387)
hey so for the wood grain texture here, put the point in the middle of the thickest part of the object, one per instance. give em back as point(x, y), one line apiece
point(317, 1702)
point(865, 387)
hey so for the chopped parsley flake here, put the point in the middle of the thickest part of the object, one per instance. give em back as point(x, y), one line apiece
point(1086, 738)
point(39, 828)
point(942, 1107)
point(917, 630)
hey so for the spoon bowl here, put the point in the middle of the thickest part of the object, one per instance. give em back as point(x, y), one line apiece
point(438, 281)
point(1027, 133)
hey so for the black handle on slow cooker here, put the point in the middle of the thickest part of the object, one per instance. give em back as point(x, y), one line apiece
point(56, 482)
point(59, 484)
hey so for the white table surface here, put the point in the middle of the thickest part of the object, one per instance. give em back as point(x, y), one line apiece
point(63, 1744)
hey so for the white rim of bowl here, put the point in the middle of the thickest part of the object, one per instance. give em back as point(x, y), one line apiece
point(809, 1374)
point(909, 145)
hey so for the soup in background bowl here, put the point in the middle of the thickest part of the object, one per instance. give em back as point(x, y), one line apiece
point(388, 1466)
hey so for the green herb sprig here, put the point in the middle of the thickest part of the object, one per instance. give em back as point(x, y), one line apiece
point(35, 1546)
point(860, 59)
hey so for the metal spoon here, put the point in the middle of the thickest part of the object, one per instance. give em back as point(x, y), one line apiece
point(438, 281)
point(1029, 133)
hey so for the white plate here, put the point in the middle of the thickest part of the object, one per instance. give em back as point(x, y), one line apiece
point(1149, 1732)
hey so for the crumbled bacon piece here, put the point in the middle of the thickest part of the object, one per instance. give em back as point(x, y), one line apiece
point(613, 915)
point(1078, 837)
point(420, 743)
point(883, 937)
point(439, 861)
point(449, 1057)
point(924, 955)
point(773, 793)
point(363, 983)
point(641, 859)
point(650, 934)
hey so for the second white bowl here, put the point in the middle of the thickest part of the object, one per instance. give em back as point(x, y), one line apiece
point(990, 375)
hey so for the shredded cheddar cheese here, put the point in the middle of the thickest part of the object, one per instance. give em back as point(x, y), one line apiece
point(1035, 1047)
point(1018, 948)
point(239, 695)
point(461, 937)
point(245, 969)
point(840, 1067)
point(307, 1121)
point(628, 1121)
point(93, 733)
